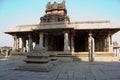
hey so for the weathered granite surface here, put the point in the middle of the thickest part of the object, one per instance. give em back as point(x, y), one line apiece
point(63, 71)
point(37, 60)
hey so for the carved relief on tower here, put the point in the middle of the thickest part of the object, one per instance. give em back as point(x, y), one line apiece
point(48, 6)
point(55, 5)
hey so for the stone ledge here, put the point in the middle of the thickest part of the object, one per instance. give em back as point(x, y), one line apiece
point(36, 60)
point(36, 67)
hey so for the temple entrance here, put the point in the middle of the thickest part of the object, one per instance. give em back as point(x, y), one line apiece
point(55, 42)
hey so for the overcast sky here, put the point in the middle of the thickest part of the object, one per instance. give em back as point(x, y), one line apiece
point(20, 12)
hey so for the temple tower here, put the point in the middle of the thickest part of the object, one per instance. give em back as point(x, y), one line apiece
point(55, 12)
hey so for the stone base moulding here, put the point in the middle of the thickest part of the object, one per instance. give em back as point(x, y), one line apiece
point(36, 67)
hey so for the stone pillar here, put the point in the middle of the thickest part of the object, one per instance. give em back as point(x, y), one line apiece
point(105, 47)
point(91, 47)
point(109, 43)
point(15, 43)
point(72, 44)
point(41, 38)
point(66, 42)
point(30, 43)
point(46, 42)
point(23, 45)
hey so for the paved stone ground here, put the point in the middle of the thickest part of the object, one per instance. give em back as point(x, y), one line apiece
point(63, 71)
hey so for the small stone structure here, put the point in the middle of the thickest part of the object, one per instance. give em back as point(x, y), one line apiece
point(37, 60)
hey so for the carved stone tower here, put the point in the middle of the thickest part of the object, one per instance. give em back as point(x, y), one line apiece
point(55, 12)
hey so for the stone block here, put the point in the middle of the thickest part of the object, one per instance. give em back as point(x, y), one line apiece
point(36, 67)
point(65, 59)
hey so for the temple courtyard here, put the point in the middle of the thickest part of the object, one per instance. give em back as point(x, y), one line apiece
point(62, 71)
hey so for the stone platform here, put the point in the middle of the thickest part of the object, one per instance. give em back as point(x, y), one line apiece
point(37, 60)
point(84, 56)
point(62, 71)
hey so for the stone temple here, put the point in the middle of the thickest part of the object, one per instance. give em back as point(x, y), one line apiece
point(68, 40)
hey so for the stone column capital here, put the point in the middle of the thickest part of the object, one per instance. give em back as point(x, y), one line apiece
point(66, 32)
point(90, 34)
point(29, 35)
point(41, 32)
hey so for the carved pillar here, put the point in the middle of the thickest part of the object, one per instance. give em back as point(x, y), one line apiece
point(109, 43)
point(41, 38)
point(91, 47)
point(66, 42)
point(105, 41)
point(23, 45)
point(72, 43)
point(15, 43)
point(46, 42)
point(30, 43)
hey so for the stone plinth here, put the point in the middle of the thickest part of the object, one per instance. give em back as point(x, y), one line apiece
point(37, 60)
point(53, 59)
